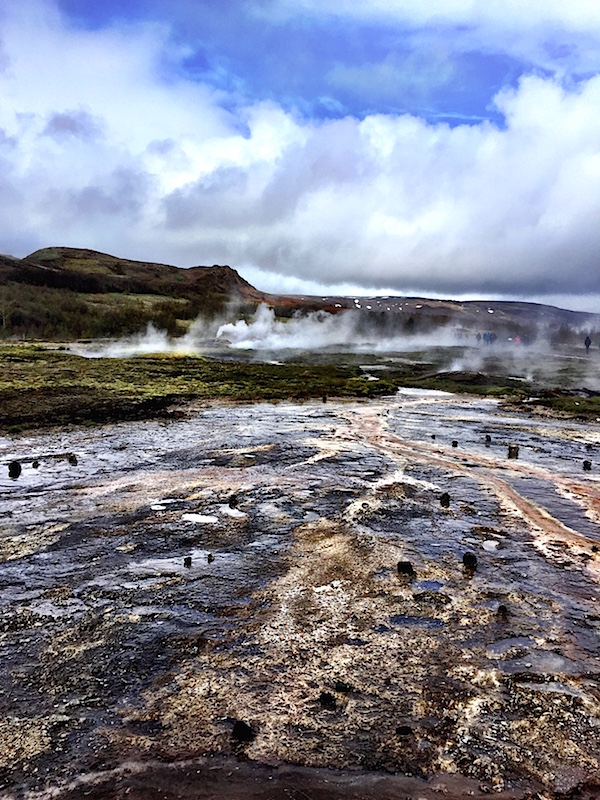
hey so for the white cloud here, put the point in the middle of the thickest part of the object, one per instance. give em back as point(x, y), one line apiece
point(394, 201)
point(410, 78)
point(99, 149)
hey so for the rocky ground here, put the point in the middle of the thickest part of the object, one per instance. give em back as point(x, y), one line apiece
point(336, 599)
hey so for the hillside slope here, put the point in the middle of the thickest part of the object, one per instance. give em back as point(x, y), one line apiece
point(71, 293)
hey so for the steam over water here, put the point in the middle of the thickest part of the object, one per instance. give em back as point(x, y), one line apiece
point(346, 331)
point(320, 330)
point(448, 348)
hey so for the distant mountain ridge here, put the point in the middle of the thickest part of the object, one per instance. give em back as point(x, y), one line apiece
point(65, 292)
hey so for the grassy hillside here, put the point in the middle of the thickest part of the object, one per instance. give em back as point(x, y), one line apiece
point(68, 293)
point(65, 293)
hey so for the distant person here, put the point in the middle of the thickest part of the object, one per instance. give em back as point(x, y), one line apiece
point(587, 344)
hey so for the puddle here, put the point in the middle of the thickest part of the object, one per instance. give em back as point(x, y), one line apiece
point(568, 512)
point(403, 620)
point(431, 586)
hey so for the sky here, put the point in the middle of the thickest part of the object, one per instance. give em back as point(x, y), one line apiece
point(446, 148)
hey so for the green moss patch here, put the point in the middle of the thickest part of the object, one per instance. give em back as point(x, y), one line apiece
point(40, 386)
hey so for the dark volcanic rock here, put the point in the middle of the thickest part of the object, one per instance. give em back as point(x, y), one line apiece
point(14, 470)
point(327, 700)
point(445, 500)
point(470, 561)
point(343, 687)
point(406, 568)
point(242, 732)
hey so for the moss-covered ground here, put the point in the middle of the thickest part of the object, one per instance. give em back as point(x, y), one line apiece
point(42, 386)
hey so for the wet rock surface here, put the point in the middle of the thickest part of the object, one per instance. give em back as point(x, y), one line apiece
point(220, 598)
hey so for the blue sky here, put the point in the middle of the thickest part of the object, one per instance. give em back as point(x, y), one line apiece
point(322, 66)
point(446, 147)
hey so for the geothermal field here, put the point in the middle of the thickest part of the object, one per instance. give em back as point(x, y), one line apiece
point(299, 400)
point(379, 598)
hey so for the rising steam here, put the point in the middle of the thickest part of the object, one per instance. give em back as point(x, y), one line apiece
point(348, 331)
point(313, 331)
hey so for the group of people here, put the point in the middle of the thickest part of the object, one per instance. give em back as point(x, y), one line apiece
point(489, 337)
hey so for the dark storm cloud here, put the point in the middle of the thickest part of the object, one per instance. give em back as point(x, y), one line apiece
point(78, 124)
point(123, 192)
point(263, 194)
point(217, 199)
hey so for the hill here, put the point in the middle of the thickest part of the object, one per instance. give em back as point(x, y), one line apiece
point(70, 293)
point(73, 293)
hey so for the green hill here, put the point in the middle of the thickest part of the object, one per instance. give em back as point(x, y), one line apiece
point(64, 292)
